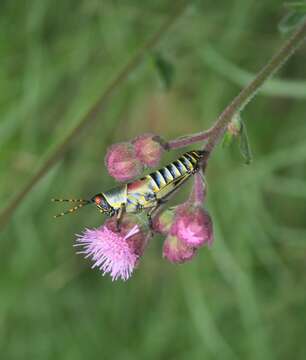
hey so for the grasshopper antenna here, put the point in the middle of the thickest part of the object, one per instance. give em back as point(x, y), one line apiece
point(81, 202)
point(71, 200)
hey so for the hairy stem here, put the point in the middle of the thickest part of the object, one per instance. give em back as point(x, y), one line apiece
point(199, 189)
point(214, 134)
point(183, 141)
point(250, 90)
point(91, 116)
point(188, 139)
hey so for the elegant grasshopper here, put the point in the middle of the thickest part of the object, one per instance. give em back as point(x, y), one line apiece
point(145, 194)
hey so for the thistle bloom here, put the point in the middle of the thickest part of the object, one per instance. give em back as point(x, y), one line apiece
point(114, 252)
point(193, 225)
point(147, 150)
point(122, 163)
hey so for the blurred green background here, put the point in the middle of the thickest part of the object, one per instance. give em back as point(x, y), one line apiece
point(243, 298)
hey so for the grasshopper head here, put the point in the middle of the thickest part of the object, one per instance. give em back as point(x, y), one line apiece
point(102, 204)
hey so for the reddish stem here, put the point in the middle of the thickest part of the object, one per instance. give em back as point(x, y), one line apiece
point(243, 98)
point(214, 134)
point(189, 139)
point(199, 189)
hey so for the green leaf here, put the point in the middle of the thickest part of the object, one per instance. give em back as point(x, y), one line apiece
point(244, 145)
point(165, 69)
point(233, 131)
point(227, 139)
point(237, 131)
point(291, 21)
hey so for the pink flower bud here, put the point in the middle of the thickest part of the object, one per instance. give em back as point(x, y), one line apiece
point(162, 223)
point(147, 150)
point(176, 251)
point(112, 251)
point(193, 225)
point(122, 163)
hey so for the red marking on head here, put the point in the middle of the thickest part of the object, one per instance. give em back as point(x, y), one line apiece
point(97, 200)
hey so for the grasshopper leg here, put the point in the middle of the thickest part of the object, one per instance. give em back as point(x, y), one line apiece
point(119, 217)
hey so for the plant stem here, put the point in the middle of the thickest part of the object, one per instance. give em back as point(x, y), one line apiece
point(92, 115)
point(188, 139)
point(183, 141)
point(199, 189)
point(214, 133)
point(250, 90)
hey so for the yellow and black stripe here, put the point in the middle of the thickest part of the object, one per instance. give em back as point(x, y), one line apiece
point(187, 163)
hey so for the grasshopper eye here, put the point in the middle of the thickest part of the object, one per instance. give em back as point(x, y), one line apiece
point(101, 203)
point(97, 199)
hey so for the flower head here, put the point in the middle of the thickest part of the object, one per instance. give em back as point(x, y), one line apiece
point(193, 225)
point(112, 251)
point(147, 150)
point(122, 163)
point(189, 229)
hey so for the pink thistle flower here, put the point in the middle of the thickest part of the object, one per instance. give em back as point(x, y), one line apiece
point(113, 252)
point(147, 150)
point(122, 163)
point(193, 225)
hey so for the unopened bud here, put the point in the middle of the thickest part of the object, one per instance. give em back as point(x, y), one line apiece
point(147, 150)
point(122, 163)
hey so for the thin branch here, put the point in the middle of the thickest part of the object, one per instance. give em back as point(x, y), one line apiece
point(198, 193)
point(91, 115)
point(189, 139)
point(250, 90)
point(183, 141)
point(214, 134)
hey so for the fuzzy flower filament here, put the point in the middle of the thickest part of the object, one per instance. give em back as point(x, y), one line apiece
point(114, 252)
